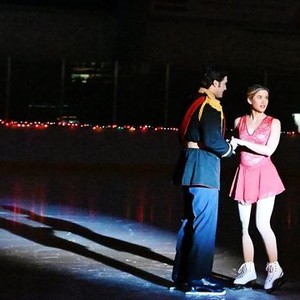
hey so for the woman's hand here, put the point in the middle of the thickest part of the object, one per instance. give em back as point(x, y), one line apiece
point(237, 141)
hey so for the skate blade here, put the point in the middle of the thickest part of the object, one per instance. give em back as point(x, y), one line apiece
point(250, 284)
point(206, 292)
point(276, 284)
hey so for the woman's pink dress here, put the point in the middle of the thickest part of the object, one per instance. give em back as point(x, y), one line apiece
point(256, 176)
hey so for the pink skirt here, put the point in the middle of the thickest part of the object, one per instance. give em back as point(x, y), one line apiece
point(253, 183)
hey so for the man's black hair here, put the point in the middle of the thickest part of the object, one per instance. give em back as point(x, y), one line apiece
point(212, 73)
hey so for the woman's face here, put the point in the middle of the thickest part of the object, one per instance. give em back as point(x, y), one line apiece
point(260, 101)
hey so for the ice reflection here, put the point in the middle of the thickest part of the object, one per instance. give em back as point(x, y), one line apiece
point(140, 195)
point(146, 195)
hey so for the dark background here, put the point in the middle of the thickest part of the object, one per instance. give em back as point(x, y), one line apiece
point(144, 58)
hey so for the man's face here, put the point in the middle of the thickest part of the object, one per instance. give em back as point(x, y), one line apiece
point(220, 87)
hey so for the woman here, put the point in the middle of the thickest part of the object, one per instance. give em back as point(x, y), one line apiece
point(257, 182)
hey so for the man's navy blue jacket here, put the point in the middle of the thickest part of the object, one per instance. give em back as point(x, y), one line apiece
point(201, 167)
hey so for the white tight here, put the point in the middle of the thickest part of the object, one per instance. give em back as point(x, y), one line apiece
point(264, 209)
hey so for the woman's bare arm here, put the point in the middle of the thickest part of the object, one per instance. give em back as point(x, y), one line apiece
point(271, 145)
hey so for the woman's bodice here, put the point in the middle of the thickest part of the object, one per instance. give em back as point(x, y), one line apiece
point(260, 136)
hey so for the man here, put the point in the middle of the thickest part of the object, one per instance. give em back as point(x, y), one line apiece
point(198, 172)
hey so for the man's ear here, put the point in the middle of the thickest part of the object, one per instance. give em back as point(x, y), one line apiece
point(215, 83)
point(249, 101)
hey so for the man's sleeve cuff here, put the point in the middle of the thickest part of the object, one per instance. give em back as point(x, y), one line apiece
point(229, 151)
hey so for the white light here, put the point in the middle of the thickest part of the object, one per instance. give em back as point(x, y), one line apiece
point(296, 118)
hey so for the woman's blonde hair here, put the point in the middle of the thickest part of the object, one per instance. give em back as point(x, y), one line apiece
point(252, 90)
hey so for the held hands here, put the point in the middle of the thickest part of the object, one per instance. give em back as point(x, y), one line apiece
point(233, 142)
point(237, 141)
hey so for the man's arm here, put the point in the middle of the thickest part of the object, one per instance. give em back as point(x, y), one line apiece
point(212, 133)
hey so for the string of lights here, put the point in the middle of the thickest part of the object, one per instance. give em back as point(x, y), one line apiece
point(96, 128)
point(45, 125)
